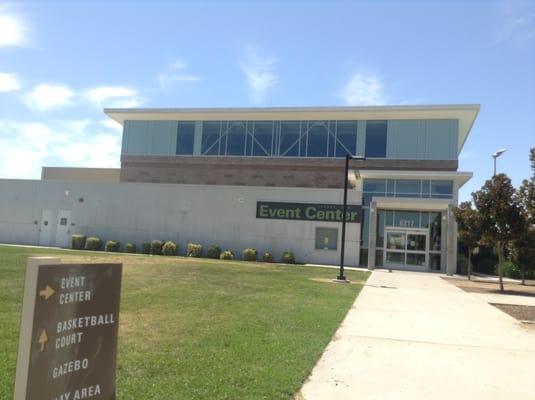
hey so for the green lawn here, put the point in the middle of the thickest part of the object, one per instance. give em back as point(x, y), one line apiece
point(198, 328)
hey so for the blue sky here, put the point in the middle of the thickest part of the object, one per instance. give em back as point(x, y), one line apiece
point(62, 62)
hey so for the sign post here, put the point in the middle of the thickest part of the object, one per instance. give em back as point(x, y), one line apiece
point(68, 336)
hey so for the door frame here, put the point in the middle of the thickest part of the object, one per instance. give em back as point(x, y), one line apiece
point(406, 232)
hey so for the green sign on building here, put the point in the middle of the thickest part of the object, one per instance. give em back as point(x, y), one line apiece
point(308, 211)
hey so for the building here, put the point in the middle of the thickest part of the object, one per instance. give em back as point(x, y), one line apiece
point(267, 178)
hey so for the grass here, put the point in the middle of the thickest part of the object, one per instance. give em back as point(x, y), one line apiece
point(198, 328)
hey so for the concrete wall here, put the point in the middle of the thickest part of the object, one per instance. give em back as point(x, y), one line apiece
point(139, 212)
point(81, 174)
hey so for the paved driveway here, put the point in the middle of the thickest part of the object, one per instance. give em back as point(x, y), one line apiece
point(421, 337)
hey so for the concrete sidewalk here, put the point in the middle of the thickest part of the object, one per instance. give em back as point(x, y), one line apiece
point(416, 336)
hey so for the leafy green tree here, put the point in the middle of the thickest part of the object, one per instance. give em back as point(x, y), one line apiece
point(526, 192)
point(469, 229)
point(501, 220)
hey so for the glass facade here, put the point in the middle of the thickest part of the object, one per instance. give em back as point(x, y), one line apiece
point(430, 222)
point(376, 134)
point(185, 137)
point(326, 139)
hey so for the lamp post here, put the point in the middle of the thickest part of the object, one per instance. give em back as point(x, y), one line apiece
point(495, 155)
point(341, 277)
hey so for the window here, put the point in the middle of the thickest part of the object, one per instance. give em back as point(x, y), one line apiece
point(210, 137)
point(263, 137)
point(317, 139)
point(376, 139)
point(236, 139)
point(63, 221)
point(326, 238)
point(185, 137)
point(289, 139)
point(441, 189)
point(407, 188)
point(346, 138)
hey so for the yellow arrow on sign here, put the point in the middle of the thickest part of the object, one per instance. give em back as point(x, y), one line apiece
point(43, 338)
point(47, 292)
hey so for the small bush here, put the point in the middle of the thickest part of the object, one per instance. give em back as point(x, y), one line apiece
point(111, 246)
point(250, 254)
point(93, 243)
point(145, 248)
point(194, 250)
point(267, 257)
point(129, 247)
point(169, 248)
point(156, 247)
point(77, 242)
point(288, 257)
point(214, 251)
point(510, 270)
point(227, 255)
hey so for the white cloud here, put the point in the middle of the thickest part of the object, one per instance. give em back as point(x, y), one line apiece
point(113, 97)
point(9, 82)
point(176, 72)
point(363, 89)
point(26, 146)
point(12, 30)
point(518, 22)
point(259, 73)
point(45, 97)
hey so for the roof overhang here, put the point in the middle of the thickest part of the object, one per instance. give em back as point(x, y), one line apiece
point(465, 113)
point(460, 178)
point(396, 203)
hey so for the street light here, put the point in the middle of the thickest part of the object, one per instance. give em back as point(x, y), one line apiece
point(341, 277)
point(495, 156)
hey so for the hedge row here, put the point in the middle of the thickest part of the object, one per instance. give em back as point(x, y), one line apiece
point(170, 248)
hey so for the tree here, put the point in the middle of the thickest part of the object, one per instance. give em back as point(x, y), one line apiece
point(501, 220)
point(469, 228)
point(526, 192)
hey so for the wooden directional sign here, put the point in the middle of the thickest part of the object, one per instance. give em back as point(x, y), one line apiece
point(68, 342)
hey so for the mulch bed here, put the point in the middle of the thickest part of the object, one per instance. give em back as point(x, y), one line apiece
point(478, 286)
point(521, 313)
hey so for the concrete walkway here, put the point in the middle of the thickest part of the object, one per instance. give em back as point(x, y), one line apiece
point(416, 336)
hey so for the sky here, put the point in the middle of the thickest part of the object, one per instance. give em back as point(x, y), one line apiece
point(62, 62)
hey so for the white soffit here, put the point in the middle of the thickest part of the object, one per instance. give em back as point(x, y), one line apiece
point(465, 113)
point(397, 203)
point(458, 177)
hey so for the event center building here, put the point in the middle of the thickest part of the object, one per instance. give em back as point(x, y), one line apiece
point(267, 178)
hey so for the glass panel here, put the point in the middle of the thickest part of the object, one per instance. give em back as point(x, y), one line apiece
point(407, 219)
point(404, 186)
point(365, 226)
point(396, 258)
point(63, 221)
point(236, 139)
point(379, 258)
point(390, 187)
point(326, 238)
point(435, 231)
point(395, 240)
point(425, 188)
point(263, 136)
point(185, 136)
point(379, 241)
point(376, 139)
point(434, 262)
point(415, 242)
point(289, 139)
point(364, 257)
point(416, 259)
point(210, 137)
point(375, 185)
point(441, 188)
point(346, 138)
point(317, 139)
point(424, 219)
point(389, 219)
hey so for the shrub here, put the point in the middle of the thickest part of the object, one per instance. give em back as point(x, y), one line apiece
point(250, 254)
point(288, 257)
point(227, 255)
point(77, 242)
point(169, 248)
point(145, 248)
point(214, 251)
point(194, 250)
point(511, 270)
point(112, 246)
point(129, 247)
point(156, 247)
point(267, 257)
point(93, 243)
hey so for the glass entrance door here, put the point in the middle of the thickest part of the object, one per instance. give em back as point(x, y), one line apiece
point(407, 248)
